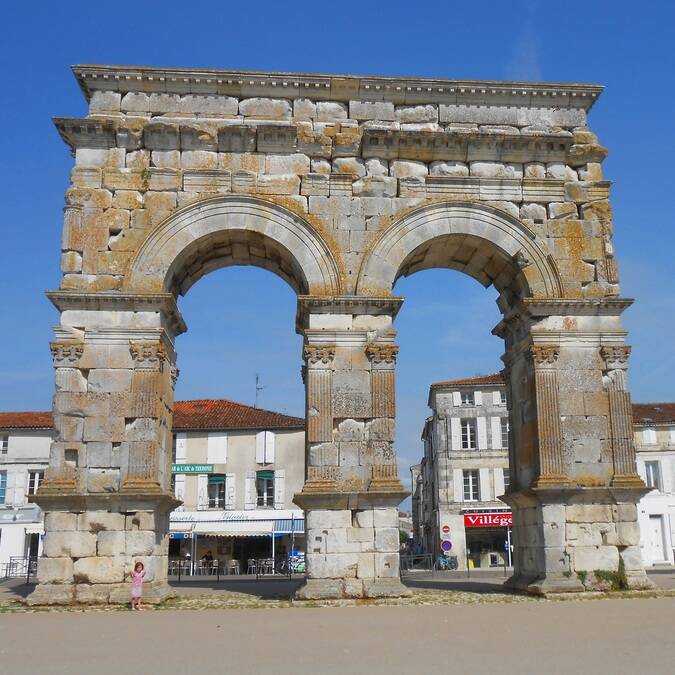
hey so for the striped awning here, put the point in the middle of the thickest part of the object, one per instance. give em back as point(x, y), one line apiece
point(235, 528)
point(289, 525)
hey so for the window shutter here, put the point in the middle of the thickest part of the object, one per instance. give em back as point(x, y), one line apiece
point(496, 397)
point(181, 447)
point(478, 397)
point(496, 432)
point(260, 447)
point(499, 482)
point(458, 484)
point(179, 490)
point(202, 490)
point(250, 492)
point(230, 491)
point(279, 488)
point(455, 434)
point(456, 398)
point(484, 493)
point(217, 447)
point(269, 447)
point(482, 433)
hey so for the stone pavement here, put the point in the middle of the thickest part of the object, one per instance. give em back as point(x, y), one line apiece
point(604, 636)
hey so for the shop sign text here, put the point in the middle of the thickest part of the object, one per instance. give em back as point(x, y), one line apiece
point(488, 520)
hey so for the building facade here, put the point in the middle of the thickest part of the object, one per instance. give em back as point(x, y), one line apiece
point(654, 425)
point(464, 471)
point(235, 469)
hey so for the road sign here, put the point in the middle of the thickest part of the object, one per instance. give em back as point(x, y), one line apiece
point(446, 545)
point(446, 528)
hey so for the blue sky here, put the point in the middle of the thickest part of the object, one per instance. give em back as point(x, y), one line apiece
point(242, 320)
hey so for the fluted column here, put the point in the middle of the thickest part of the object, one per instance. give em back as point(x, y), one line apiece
point(551, 459)
point(615, 360)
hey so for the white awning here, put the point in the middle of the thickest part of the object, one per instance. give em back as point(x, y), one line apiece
point(229, 528)
point(180, 527)
point(38, 528)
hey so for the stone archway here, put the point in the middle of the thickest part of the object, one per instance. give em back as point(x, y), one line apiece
point(339, 185)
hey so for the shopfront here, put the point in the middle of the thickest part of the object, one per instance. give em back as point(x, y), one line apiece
point(202, 542)
point(488, 539)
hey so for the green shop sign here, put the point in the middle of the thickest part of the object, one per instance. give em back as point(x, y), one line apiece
point(192, 468)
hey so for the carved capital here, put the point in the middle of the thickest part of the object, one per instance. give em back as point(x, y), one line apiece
point(148, 355)
point(315, 354)
point(615, 356)
point(66, 354)
point(382, 353)
point(544, 355)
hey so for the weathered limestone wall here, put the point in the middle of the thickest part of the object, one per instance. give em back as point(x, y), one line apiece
point(339, 185)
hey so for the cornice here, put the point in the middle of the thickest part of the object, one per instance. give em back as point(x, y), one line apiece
point(356, 305)
point(134, 302)
point(399, 90)
point(576, 306)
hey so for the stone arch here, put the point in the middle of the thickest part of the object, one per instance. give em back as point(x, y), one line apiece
point(233, 230)
point(483, 241)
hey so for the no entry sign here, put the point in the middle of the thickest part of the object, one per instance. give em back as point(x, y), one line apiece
point(446, 528)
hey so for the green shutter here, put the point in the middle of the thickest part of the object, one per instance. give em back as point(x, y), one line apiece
point(269, 475)
point(216, 478)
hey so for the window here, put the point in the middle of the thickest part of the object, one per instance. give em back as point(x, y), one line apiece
point(467, 398)
point(468, 427)
point(649, 436)
point(504, 422)
point(264, 484)
point(4, 444)
point(502, 397)
point(216, 491)
point(3, 486)
point(34, 480)
point(471, 489)
point(507, 479)
point(653, 475)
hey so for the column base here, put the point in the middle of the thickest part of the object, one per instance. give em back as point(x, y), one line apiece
point(553, 583)
point(154, 592)
point(340, 589)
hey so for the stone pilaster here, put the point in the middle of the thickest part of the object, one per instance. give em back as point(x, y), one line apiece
point(551, 459)
point(615, 358)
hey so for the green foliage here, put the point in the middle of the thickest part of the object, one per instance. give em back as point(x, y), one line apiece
point(402, 537)
point(618, 579)
point(582, 575)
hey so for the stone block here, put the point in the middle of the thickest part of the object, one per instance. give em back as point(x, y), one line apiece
point(332, 566)
point(60, 521)
point(535, 212)
point(372, 110)
point(416, 113)
point(377, 167)
point(265, 108)
point(199, 159)
point(448, 168)
point(386, 565)
point(324, 519)
point(55, 570)
point(94, 594)
point(624, 512)
point(135, 101)
point(562, 210)
point(360, 534)
point(99, 570)
point(387, 539)
point(561, 171)
point(142, 520)
point(363, 518)
point(166, 159)
point(588, 513)
point(375, 186)
point(632, 558)
point(297, 163)
point(534, 170)
point(589, 558)
point(278, 184)
point(98, 521)
point(111, 543)
point(304, 109)
point(385, 517)
point(320, 166)
point(109, 380)
point(628, 533)
point(407, 168)
point(69, 544)
point(329, 111)
point(354, 166)
point(140, 542)
point(365, 566)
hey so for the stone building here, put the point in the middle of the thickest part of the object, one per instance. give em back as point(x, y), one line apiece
point(340, 185)
point(655, 445)
point(234, 468)
point(464, 473)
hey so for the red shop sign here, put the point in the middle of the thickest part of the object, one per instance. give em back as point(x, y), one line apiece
point(488, 520)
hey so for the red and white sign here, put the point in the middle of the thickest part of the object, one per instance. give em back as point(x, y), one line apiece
point(488, 520)
point(445, 528)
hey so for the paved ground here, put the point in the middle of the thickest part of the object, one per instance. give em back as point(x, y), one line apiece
point(595, 636)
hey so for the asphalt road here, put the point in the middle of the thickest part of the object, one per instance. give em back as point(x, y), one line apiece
point(592, 636)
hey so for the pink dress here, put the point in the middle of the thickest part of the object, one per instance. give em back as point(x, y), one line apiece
point(137, 583)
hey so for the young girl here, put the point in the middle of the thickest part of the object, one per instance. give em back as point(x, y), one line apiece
point(137, 585)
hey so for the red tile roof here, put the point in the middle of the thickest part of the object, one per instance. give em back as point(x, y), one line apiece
point(653, 413)
point(494, 378)
point(25, 420)
point(223, 414)
point(213, 414)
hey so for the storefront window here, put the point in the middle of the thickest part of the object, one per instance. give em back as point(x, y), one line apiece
point(264, 483)
point(216, 491)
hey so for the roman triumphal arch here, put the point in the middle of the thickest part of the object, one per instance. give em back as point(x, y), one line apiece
point(339, 185)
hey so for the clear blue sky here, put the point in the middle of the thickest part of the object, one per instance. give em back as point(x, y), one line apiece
point(242, 320)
